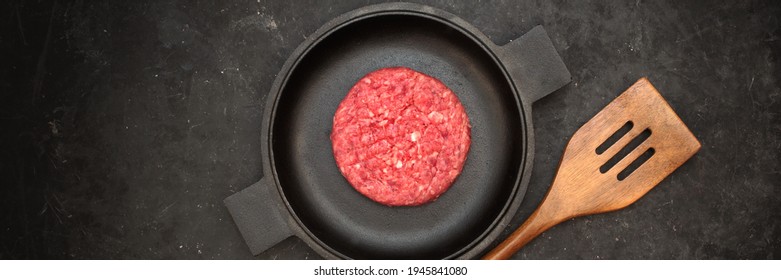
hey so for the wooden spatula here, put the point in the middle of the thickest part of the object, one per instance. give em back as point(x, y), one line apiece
point(610, 162)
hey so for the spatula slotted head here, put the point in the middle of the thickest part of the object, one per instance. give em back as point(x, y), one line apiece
point(624, 151)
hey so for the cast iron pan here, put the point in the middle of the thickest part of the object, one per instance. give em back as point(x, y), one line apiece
point(303, 193)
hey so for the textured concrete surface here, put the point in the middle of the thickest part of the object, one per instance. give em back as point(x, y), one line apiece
point(123, 125)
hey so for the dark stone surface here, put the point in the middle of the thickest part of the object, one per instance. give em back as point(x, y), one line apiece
point(124, 125)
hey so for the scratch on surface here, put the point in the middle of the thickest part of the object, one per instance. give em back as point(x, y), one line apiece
point(41, 67)
point(166, 209)
point(257, 20)
point(753, 102)
point(58, 210)
point(697, 33)
point(196, 125)
point(21, 29)
point(683, 76)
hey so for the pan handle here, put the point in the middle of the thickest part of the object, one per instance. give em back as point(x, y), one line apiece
point(534, 65)
point(257, 214)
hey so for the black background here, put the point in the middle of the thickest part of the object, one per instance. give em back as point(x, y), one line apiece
point(124, 125)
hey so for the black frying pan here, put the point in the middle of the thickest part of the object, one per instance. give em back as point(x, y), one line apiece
point(304, 194)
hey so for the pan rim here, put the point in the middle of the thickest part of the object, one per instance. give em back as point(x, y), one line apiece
point(512, 203)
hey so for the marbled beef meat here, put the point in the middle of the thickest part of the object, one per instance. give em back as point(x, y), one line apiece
point(400, 137)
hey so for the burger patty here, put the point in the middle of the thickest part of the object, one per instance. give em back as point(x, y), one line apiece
point(400, 137)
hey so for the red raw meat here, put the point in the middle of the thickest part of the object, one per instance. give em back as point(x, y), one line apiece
point(400, 137)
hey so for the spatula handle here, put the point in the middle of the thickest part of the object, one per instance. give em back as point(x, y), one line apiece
point(541, 220)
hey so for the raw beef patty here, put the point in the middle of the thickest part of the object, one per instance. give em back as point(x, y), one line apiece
point(400, 137)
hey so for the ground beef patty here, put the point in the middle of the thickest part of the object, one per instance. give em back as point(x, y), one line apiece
point(400, 137)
